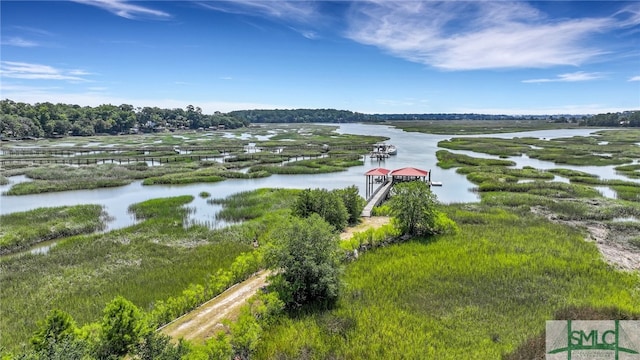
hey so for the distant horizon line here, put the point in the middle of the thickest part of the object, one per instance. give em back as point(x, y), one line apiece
point(409, 114)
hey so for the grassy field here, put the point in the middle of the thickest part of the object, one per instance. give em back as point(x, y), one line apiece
point(24, 229)
point(158, 264)
point(474, 295)
point(151, 261)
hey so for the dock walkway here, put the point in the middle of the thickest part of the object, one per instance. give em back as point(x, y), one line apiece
point(377, 198)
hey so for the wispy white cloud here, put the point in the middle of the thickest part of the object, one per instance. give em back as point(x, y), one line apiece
point(304, 14)
point(461, 35)
point(125, 9)
point(20, 42)
point(292, 10)
point(635, 78)
point(629, 15)
point(32, 30)
point(569, 77)
point(30, 71)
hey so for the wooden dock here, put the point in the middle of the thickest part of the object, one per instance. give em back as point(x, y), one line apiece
point(377, 198)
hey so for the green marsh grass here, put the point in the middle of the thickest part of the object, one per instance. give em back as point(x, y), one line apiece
point(569, 173)
point(314, 166)
point(43, 186)
point(630, 171)
point(249, 205)
point(299, 141)
point(448, 160)
point(468, 127)
point(481, 174)
point(579, 150)
point(535, 347)
point(151, 261)
point(477, 294)
point(21, 230)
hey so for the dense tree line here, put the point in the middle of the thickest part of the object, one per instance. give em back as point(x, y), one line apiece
point(19, 120)
point(619, 119)
point(301, 116)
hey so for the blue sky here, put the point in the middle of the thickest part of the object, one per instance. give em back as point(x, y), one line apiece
point(381, 56)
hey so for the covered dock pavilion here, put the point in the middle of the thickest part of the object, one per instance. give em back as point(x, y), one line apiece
point(384, 179)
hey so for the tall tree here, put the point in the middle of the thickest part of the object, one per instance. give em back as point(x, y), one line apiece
point(414, 207)
point(57, 327)
point(353, 202)
point(306, 256)
point(328, 204)
point(122, 328)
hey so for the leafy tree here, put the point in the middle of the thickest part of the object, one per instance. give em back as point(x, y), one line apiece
point(245, 334)
point(305, 254)
point(353, 202)
point(122, 328)
point(328, 204)
point(57, 327)
point(414, 207)
point(156, 346)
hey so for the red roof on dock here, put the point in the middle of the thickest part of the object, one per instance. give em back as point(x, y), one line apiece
point(378, 172)
point(409, 171)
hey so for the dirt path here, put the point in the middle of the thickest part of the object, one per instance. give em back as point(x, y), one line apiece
point(366, 223)
point(202, 323)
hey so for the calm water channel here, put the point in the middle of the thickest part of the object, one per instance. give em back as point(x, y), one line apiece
point(414, 149)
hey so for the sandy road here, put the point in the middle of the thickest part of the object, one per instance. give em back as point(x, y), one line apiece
point(203, 322)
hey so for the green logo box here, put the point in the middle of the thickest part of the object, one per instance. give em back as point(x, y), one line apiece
point(593, 339)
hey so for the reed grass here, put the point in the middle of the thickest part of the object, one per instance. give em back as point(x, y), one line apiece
point(248, 205)
point(469, 127)
point(43, 186)
point(448, 160)
point(154, 260)
point(477, 294)
point(21, 230)
point(314, 166)
point(630, 171)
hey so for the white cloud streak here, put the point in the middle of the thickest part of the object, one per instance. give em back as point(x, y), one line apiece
point(569, 77)
point(474, 35)
point(304, 14)
point(635, 78)
point(30, 71)
point(125, 9)
point(290, 10)
point(20, 42)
